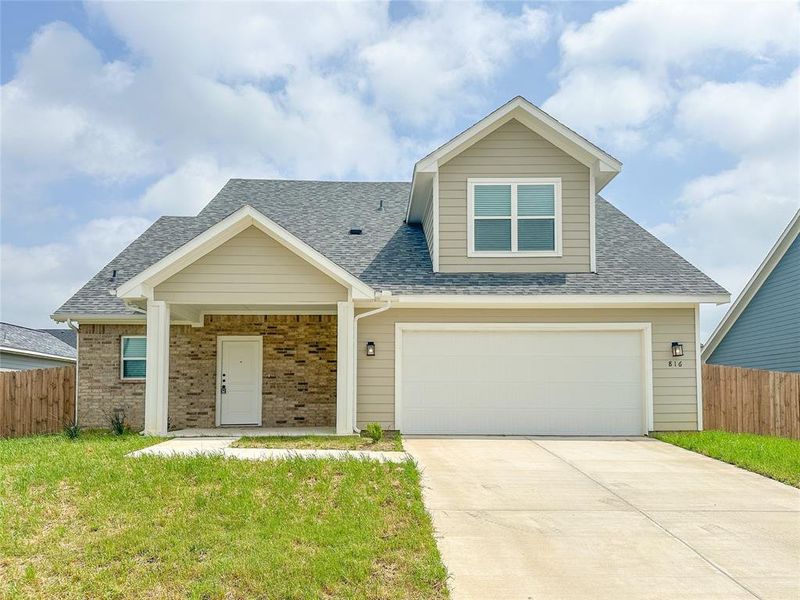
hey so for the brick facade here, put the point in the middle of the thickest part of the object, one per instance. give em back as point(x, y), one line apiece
point(299, 371)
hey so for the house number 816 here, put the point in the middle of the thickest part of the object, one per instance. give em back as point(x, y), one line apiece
point(675, 363)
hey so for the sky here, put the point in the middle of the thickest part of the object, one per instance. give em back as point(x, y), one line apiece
point(113, 114)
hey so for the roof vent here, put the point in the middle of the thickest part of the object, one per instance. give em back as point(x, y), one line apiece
point(113, 275)
point(355, 231)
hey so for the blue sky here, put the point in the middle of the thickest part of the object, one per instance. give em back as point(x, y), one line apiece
point(114, 114)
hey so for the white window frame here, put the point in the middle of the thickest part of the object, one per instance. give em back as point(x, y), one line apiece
point(122, 358)
point(513, 182)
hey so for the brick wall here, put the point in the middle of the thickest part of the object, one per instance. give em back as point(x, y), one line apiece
point(100, 389)
point(299, 371)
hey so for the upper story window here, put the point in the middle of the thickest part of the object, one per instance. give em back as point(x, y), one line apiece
point(134, 356)
point(514, 217)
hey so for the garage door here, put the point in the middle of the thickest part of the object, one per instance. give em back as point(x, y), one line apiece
point(521, 381)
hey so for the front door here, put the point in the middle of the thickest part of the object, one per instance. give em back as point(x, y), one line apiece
point(239, 380)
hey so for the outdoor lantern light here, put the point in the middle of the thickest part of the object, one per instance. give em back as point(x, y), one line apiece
point(677, 349)
point(370, 348)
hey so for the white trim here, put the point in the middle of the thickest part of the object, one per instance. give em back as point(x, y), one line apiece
point(215, 236)
point(259, 369)
point(550, 300)
point(435, 201)
point(514, 182)
point(592, 224)
point(763, 271)
point(8, 350)
point(100, 318)
point(647, 352)
point(122, 358)
point(698, 367)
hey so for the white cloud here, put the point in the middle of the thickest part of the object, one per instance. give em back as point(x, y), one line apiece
point(728, 221)
point(628, 66)
point(663, 34)
point(38, 279)
point(617, 99)
point(416, 74)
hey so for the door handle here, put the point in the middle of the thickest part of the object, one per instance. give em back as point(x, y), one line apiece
point(223, 390)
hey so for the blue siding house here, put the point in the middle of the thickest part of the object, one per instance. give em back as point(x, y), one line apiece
point(762, 328)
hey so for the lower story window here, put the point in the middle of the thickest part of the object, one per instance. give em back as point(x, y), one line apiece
point(134, 356)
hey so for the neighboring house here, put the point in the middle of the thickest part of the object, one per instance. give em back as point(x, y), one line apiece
point(494, 294)
point(761, 330)
point(22, 348)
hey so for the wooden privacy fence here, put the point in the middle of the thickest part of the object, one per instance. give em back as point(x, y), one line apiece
point(751, 401)
point(36, 401)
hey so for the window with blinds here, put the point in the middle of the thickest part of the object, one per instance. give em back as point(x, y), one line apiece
point(515, 217)
point(134, 357)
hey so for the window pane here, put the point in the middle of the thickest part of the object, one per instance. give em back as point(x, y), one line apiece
point(536, 234)
point(134, 347)
point(133, 368)
point(492, 200)
point(536, 200)
point(494, 234)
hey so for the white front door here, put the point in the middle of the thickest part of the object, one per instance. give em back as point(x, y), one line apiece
point(239, 380)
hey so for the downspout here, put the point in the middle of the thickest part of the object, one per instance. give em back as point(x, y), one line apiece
point(369, 313)
point(75, 328)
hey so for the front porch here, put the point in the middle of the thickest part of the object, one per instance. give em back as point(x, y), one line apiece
point(241, 374)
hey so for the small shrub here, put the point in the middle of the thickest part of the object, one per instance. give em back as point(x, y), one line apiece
point(118, 426)
point(72, 431)
point(374, 431)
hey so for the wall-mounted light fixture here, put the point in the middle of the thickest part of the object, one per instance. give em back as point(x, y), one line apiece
point(370, 348)
point(677, 349)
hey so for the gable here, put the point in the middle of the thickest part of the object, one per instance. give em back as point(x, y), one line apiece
point(250, 268)
point(766, 335)
point(514, 151)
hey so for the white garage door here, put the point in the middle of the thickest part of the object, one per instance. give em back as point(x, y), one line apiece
point(521, 381)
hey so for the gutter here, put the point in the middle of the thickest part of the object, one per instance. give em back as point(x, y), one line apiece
point(356, 319)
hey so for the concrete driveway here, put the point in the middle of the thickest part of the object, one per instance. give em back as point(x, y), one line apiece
point(585, 518)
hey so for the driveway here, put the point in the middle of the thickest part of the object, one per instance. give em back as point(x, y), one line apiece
point(590, 518)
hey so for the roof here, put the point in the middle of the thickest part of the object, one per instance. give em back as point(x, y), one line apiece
point(68, 336)
point(23, 340)
point(763, 271)
point(390, 254)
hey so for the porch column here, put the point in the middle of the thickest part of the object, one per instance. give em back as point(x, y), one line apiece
point(344, 368)
point(157, 377)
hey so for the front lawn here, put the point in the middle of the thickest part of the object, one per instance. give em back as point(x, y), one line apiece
point(391, 442)
point(79, 520)
point(775, 457)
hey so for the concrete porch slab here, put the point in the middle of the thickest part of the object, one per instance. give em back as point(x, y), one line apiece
point(221, 447)
point(237, 432)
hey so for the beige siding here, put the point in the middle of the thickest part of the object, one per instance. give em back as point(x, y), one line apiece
point(513, 150)
point(674, 389)
point(427, 227)
point(250, 268)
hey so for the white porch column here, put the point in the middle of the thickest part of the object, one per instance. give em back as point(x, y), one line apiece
point(156, 389)
point(344, 369)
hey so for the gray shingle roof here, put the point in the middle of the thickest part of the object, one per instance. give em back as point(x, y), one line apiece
point(392, 255)
point(68, 336)
point(34, 340)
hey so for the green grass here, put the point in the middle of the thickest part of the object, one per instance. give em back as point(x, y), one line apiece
point(79, 520)
point(391, 442)
point(775, 457)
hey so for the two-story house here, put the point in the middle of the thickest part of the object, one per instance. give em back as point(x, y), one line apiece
point(496, 293)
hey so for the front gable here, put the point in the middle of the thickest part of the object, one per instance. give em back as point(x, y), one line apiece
point(517, 145)
point(280, 249)
point(250, 268)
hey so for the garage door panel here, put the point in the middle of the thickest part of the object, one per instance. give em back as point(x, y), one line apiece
point(522, 382)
